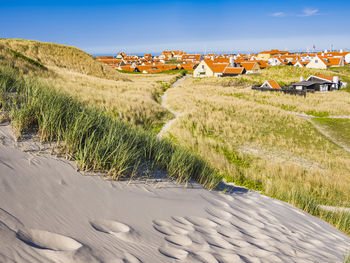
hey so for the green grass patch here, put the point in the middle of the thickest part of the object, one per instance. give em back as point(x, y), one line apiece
point(340, 128)
point(234, 158)
point(129, 72)
point(27, 59)
point(318, 113)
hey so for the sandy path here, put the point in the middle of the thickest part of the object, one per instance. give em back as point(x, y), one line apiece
point(164, 104)
point(49, 212)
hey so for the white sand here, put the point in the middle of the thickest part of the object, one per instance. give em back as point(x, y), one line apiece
point(51, 213)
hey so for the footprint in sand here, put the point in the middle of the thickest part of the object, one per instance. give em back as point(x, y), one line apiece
point(47, 240)
point(118, 229)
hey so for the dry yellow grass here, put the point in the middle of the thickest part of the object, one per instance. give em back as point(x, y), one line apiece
point(133, 100)
point(261, 145)
point(132, 97)
point(56, 55)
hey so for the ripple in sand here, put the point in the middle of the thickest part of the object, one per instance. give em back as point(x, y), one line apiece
point(217, 241)
point(181, 220)
point(128, 258)
point(216, 202)
point(179, 240)
point(170, 230)
point(173, 252)
point(200, 221)
point(47, 240)
point(205, 257)
point(220, 213)
point(109, 226)
point(118, 229)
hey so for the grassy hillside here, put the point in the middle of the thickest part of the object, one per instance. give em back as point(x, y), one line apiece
point(338, 128)
point(133, 98)
point(91, 136)
point(135, 101)
point(56, 55)
point(256, 140)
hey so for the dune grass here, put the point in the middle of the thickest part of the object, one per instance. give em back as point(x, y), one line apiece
point(339, 128)
point(94, 139)
point(135, 98)
point(135, 101)
point(56, 55)
point(256, 142)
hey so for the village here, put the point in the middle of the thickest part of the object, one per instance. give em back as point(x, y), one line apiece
point(212, 65)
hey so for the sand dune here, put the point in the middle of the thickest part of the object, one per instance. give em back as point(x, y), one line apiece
point(49, 212)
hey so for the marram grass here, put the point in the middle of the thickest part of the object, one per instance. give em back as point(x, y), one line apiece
point(95, 140)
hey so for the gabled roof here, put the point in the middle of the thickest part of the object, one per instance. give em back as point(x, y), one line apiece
point(221, 60)
point(233, 70)
point(323, 77)
point(273, 84)
point(274, 51)
point(248, 65)
point(263, 64)
point(334, 61)
point(191, 57)
point(219, 67)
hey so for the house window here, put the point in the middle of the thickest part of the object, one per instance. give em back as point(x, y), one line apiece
point(316, 61)
point(202, 66)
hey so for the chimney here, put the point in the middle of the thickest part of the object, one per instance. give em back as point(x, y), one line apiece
point(301, 78)
point(335, 79)
point(231, 62)
point(212, 58)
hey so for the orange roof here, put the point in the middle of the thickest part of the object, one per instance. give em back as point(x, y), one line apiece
point(191, 57)
point(274, 51)
point(187, 66)
point(179, 53)
point(248, 65)
point(232, 70)
point(221, 60)
point(263, 64)
point(325, 77)
point(273, 84)
point(334, 61)
point(127, 68)
point(219, 67)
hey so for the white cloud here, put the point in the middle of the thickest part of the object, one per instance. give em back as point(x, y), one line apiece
point(278, 14)
point(309, 12)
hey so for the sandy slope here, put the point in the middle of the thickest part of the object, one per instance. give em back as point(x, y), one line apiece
point(49, 212)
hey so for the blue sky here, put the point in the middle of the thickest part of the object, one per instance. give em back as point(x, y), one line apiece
point(105, 27)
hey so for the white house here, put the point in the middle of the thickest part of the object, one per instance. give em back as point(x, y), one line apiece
point(347, 58)
point(298, 64)
point(316, 62)
point(275, 61)
point(208, 68)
